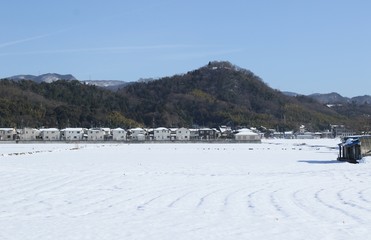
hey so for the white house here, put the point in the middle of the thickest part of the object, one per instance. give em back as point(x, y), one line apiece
point(29, 134)
point(72, 134)
point(289, 135)
point(173, 132)
point(183, 134)
point(50, 134)
point(118, 134)
point(161, 134)
point(306, 135)
point(246, 134)
point(137, 134)
point(7, 134)
point(96, 134)
point(107, 133)
point(302, 129)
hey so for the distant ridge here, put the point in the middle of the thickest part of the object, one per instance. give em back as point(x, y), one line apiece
point(48, 77)
point(329, 98)
point(112, 85)
point(334, 98)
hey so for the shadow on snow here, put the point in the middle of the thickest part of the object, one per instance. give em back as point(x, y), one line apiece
point(319, 161)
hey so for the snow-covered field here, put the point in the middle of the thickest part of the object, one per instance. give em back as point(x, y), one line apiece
point(280, 189)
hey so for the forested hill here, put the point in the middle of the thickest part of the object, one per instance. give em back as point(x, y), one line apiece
point(60, 104)
point(221, 93)
point(216, 94)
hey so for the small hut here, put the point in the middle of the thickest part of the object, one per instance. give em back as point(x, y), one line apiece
point(354, 148)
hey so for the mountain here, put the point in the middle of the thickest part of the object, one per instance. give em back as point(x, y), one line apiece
point(335, 98)
point(360, 100)
point(218, 93)
point(330, 98)
point(221, 93)
point(112, 85)
point(48, 77)
point(291, 94)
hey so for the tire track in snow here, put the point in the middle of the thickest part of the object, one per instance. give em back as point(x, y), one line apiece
point(178, 199)
point(204, 197)
point(231, 194)
point(341, 197)
point(361, 195)
point(276, 203)
point(298, 201)
point(250, 203)
point(331, 206)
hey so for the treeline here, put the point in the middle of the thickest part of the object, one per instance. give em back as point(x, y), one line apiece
point(60, 104)
point(216, 94)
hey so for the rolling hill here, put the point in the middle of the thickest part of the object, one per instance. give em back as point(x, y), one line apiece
point(218, 93)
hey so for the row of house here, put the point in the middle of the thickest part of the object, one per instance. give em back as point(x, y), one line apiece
point(336, 131)
point(134, 134)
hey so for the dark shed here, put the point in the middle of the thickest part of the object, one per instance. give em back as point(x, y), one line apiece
point(354, 148)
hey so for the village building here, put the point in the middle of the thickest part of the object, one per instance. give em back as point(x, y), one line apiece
point(225, 132)
point(288, 135)
point(7, 134)
point(161, 134)
point(207, 134)
point(72, 134)
point(96, 134)
point(150, 134)
point(137, 134)
point(247, 135)
point(341, 131)
point(306, 135)
point(29, 134)
point(50, 134)
point(173, 133)
point(276, 134)
point(194, 134)
point(183, 134)
point(218, 133)
point(119, 134)
point(107, 133)
point(326, 134)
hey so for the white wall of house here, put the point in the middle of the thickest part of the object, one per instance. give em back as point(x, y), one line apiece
point(161, 134)
point(50, 134)
point(306, 135)
point(72, 134)
point(118, 134)
point(183, 134)
point(7, 134)
point(29, 134)
point(96, 134)
point(107, 133)
point(247, 135)
point(138, 134)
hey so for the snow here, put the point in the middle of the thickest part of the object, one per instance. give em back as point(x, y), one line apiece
point(279, 189)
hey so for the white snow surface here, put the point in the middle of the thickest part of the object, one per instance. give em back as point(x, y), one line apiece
point(279, 189)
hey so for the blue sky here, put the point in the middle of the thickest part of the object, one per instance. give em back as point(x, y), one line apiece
point(293, 45)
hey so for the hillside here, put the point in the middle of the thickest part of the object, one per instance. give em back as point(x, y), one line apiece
point(216, 94)
point(221, 93)
point(59, 104)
